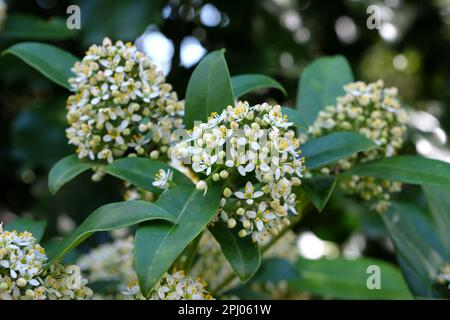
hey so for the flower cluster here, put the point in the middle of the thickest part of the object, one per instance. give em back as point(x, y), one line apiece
point(121, 104)
point(375, 112)
point(173, 286)
point(260, 164)
point(114, 262)
point(111, 262)
point(3, 8)
point(22, 274)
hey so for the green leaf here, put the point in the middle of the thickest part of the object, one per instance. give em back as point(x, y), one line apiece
point(320, 84)
point(158, 244)
point(420, 252)
point(27, 27)
point(245, 83)
point(406, 169)
point(209, 89)
point(65, 170)
point(319, 190)
point(242, 254)
point(347, 279)
point(275, 270)
point(37, 228)
point(52, 62)
point(335, 146)
point(110, 217)
point(438, 200)
point(141, 172)
point(295, 117)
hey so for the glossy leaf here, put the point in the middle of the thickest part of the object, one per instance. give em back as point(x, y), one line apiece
point(28, 27)
point(296, 118)
point(320, 84)
point(52, 62)
point(158, 244)
point(141, 172)
point(110, 217)
point(245, 83)
point(36, 227)
point(335, 146)
point(407, 169)
point(209, 89)
point(65, 170)
point(438, 200)
point(420, 252)
point(275, 270)
point(319, 190)
point(347, 279)
point(242, 254)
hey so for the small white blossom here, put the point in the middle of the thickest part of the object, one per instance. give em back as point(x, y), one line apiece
point(22, 274)
point(254, 142)
point(163, 179)
point(172, 286)
point(374, 112)
point(120, 105)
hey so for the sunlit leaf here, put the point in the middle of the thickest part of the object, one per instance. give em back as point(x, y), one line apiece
point(245, 83)
point(320, 84)
point(110, 217)
point(158, 244)
point(209, 89)
point(65, 170)
point(51, 61)
point(406, 169)
point(325, 150)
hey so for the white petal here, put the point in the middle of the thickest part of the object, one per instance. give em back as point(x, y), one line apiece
point(259, 225)
point(239, 194)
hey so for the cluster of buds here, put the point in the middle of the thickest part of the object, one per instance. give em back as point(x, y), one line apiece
point(22, 273)
point(375, 112)
point(173, 286)
point(3, 8)
point(255, 157)
point(121, 105)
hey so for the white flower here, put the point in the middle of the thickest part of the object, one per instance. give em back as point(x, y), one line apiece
point(22, 276)
point(375, 112)
point(163, 179)
point(121, 104)
point(255, 143)
point(249, 193)
point(172, 286)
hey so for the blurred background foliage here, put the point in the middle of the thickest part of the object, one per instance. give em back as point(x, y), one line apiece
point(279, 38)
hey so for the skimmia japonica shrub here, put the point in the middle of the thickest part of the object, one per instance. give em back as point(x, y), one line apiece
point(215, 184)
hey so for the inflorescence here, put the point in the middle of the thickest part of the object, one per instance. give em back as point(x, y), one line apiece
point(121, 105)
point(375, 112)
point(255, 155)
point(23, 276)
